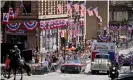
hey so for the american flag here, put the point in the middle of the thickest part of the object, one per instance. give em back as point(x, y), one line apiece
point(82, 13)
point(90, 12)
point(96, 11)
point(76, 7)
point(59, 7)
point(69, 8)
point(17, 10)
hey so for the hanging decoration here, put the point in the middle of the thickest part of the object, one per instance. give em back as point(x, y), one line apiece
point(124, 27)
point(103, 38)
point(11, 13)
point(43, 25)
point(13, 27)
point(51, 25)
point(113, 28)
point(30, 25)
point(81, 23)
point(5, 18)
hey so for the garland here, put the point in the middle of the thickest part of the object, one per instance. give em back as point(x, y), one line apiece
point(113, 28)
point(30, 25)
point(43, 25)
point(103, 38)
point(13, 27)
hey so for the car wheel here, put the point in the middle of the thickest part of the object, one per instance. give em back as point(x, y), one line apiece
point(62, 71)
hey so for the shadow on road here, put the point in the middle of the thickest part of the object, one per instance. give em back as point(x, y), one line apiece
point(127, 78)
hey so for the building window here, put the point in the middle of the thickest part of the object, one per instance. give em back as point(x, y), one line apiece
point(27, 7)
point(7, 5)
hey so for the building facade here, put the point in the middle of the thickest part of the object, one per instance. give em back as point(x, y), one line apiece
point(32, 11)
point(92, 26)
point(39, 11)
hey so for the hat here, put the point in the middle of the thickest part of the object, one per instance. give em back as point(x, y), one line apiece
point(15, 46)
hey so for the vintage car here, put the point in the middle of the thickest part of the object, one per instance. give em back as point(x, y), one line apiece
point(100, 63)
point(71, 66)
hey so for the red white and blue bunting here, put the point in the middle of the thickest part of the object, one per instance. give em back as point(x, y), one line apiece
point(5, 18)
point(13, 27)
point(30, 25)
point(124, 27)
point(113, 28)
point(103, 38)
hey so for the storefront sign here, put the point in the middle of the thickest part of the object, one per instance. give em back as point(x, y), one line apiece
point(18, 32)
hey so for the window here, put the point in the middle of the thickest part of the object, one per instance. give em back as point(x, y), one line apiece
point(27, 7)
point(102, 56)
point(7, 5)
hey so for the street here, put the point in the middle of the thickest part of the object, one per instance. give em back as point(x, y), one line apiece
point(59, 76)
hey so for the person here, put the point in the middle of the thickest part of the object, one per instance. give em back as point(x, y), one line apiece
point(17, 52)
point(113, 64)
point(7, 61)
point(45, 63)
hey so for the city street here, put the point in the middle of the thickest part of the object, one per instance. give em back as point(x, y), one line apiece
point(59, 76)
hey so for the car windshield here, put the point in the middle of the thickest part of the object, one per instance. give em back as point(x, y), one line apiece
point(102, 56)
point(74, 61)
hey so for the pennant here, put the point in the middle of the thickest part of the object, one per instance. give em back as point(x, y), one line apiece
point(96, 11)
point(59, 7)
point(11, 13)
point(124, 27)
point(5, 18)
point(76, 7)
point(103, 38)
point(113, 28)
point(13, 27)
point(82, 12)
point(90, 12)
point(30, 25)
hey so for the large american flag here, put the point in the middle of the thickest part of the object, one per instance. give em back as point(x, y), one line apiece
point(96, 11)
point(76, 7)
point(83, 5)
point(59, 7)
point(90, 12)
point(17, 10)
point(69, 8)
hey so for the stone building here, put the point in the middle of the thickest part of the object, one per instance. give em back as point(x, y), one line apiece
point(92, 26)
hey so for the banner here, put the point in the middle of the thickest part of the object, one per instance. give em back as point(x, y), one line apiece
point(30, 25)
point(13, 27)
point(113, 28)
point(104, 38)
point(5, 18)
point(100, 47)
